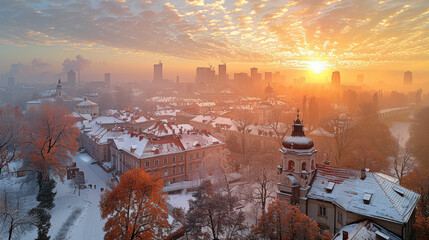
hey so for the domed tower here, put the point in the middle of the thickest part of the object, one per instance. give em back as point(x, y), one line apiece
point(297, 167)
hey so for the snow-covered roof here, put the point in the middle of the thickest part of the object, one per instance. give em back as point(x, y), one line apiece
point(202, 119)
point(86, 103)
point(206, 104)
point(365, 230)
point(80, 115)
point(107, 120)
point(389, 201)
point(321, 132)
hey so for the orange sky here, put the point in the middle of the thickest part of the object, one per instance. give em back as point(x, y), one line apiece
point(127, 37)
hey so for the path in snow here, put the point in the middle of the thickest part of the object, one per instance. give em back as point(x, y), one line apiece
point(90, 226)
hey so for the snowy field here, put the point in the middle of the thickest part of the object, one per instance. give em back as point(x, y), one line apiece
point(74, 217)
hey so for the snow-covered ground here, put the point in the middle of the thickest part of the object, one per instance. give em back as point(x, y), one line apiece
point(78, 217)
point(400, 130)
point(180, 200)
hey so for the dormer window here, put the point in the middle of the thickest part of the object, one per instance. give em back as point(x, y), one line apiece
point(367, 198)
point(399, 191)
point(330, 187)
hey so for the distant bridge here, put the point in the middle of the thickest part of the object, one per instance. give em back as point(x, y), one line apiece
point(390, 114)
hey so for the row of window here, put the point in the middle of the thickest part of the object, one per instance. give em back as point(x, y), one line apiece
point(291, 166)
point(156, 162)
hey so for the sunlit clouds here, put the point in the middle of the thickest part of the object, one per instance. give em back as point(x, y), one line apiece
point(345, 33)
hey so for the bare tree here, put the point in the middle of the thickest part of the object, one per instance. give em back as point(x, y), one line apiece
point(279, 127)
point(15, 221)
point(402, 164)
point(12, 137)
point(343, 137)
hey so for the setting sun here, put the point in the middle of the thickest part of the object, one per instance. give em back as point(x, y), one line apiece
point(316, 66)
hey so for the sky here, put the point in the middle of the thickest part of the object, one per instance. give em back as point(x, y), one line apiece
point(42, 39)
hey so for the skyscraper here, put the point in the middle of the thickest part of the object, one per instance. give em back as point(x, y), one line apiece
point(222, 73)
point(71, 77)
point(107, 79)
point(254, 74)
point(157, 72)
point(408, 78)
point(268, 76)
point(204, 76)
point(335, 79)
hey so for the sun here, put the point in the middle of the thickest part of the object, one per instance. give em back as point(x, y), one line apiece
point(316, 66)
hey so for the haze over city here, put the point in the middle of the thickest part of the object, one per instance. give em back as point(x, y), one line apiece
point(214, 119)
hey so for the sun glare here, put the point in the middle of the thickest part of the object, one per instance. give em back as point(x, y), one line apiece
point(316, 66)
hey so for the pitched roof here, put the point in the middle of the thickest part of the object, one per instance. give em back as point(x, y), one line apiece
point(388, 200)
point(365, 230)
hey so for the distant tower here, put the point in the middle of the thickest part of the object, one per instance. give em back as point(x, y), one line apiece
point(254, 74)
point(360, 78)
point(298, 166)
point(177, 79)
point(222, 73)
point(268, 77)
point(71, 77)
point(408, 78)
point(107, 79)
point(335, 79)
point(59, 89)
point(157, 72)
point(11, 83)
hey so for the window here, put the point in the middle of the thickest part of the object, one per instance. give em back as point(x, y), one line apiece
point(197, 167)
point(322, 211)
point(173, 159)
point(147, 164)
point(340, 217)
point(174, 171)
point(190, 167)
point(190, 156)
point(165, 160)
point(291, 165)
point(181, 158)
point(166, 172)
point(304, 166)
point(198, 155)
point(182, 169)
point(156, 162)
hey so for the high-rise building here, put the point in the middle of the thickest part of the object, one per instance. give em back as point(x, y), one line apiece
point(241, 79)
point(157, 72)
point(204, 76)
point(11, 83)
point(268, 76)
point(222, 73)
point(107, 79)
point(71, 77)
point(335, 79)
point(408, 78)
point(360, 78)
point(254, 74)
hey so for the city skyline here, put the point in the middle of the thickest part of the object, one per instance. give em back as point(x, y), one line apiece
point(128, 37)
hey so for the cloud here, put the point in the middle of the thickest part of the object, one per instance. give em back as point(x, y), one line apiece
point(78, 64)
point(343, 32)
point(21, 70)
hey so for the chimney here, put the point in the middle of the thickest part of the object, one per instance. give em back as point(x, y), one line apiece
point(363, 173)
point(345, 235)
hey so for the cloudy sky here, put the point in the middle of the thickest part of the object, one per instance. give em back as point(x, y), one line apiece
point(126, 37)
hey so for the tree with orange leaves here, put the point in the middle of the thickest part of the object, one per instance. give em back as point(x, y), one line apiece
point(135, 208)
point(285, 222)
point(53, 136)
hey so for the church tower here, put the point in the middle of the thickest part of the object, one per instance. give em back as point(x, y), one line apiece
point(59, 88)
point(297, 167)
